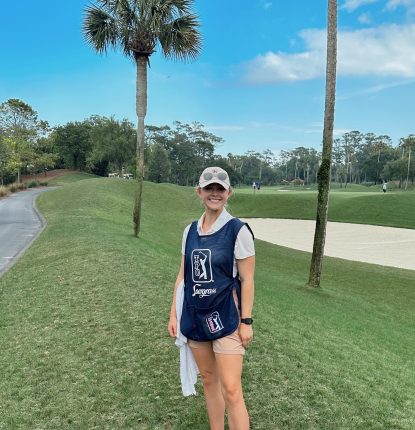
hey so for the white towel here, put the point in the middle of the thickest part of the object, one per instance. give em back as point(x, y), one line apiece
point(188, 367)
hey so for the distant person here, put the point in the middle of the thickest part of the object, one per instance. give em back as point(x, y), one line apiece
point(385, 187)
point(258, 185)
point(216, 286)
point(254, 186)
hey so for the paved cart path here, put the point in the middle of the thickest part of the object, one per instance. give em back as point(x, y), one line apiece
point(20, 224)
point(386, 246)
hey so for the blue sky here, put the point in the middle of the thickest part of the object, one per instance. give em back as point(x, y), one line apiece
point(258, 83)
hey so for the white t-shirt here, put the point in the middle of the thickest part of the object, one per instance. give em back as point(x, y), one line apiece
point(244, 244)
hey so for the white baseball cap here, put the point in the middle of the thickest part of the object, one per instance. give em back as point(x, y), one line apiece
point(214, 175)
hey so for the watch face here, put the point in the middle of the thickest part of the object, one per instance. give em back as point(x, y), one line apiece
point(247, 320)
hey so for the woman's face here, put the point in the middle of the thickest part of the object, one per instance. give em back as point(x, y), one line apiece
point(214, 196)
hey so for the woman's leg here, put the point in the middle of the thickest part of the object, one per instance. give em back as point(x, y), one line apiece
point(205, 360)
point(230, 371)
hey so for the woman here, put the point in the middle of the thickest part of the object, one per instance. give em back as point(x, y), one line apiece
point(218, 261)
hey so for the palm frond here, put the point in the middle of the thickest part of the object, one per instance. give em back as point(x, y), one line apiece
point(174, 7)
point(125, 12)
point(122, 10)
point(180, 39)
point(99, 29)
point(109, 4)
point(183, 6)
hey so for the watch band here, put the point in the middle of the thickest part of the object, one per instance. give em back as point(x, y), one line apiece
point(247, 321)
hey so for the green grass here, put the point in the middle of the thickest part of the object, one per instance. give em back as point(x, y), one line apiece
point(70, 177)
point(84, 314)
point(390, 209)
point(312, 187)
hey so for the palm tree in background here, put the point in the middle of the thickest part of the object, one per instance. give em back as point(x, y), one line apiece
point(138, 27)
point(324, 172)
point(408, 143)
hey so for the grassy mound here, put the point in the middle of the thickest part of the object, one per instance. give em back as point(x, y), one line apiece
point(84, 315)
point(68, 178)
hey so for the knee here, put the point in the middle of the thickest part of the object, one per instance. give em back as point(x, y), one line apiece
point(209, 378)
point(232, 394)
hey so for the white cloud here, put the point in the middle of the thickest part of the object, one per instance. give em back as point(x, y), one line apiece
point(275, 67)
point(374, 89)
point(408, 4)
point(351, 5)
point(364, 18)
point(340, 131)
point(384, 51)
point(387, 51)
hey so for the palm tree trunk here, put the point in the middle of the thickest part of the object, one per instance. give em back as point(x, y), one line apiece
point(141, 110)
point(407, 173)
point(324, 171)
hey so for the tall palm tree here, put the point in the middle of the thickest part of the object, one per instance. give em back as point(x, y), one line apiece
point(324, 172)
point(408, 143)
point(138, 27)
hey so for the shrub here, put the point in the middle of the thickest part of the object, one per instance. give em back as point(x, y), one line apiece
point(33, 184)
point(22, 186)
point(43, 184)
point(13, 187)
point(297, 182)
point(3, 191)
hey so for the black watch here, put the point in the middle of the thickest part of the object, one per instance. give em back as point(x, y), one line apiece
point(247, 321)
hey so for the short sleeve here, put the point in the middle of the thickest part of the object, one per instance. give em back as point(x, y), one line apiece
point(244, 244)
point(185, 233)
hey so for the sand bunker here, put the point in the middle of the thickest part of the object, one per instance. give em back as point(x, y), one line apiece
point(386, 246)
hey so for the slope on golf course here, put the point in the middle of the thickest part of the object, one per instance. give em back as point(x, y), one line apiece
point(84, 313)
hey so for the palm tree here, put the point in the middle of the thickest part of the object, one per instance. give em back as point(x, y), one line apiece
point(324, 172)
point(408, 143)
point(138, 27)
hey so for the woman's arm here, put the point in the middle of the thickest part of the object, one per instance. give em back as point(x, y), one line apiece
point(172, 326)
point(246, 269)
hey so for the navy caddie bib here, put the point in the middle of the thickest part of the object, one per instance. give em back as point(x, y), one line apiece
point(209, 309)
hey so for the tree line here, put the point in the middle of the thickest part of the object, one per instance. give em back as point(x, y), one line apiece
point(178, 153)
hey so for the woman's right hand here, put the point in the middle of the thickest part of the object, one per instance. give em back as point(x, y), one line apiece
point(172, 326)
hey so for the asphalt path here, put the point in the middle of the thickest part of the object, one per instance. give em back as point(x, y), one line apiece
point(373, 244)
point(20, 224)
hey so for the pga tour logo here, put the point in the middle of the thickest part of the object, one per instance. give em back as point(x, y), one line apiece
point(214, 323)
point(202, 265)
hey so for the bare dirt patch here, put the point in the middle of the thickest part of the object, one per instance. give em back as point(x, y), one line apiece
point(47, 176)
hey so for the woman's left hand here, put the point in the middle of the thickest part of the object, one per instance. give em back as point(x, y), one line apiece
point(246, 334)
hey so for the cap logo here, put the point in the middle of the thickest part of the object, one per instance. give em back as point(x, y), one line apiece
point(209, 175)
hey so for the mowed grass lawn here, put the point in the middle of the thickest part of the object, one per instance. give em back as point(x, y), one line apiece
point(394, 209)
point(84, 313)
